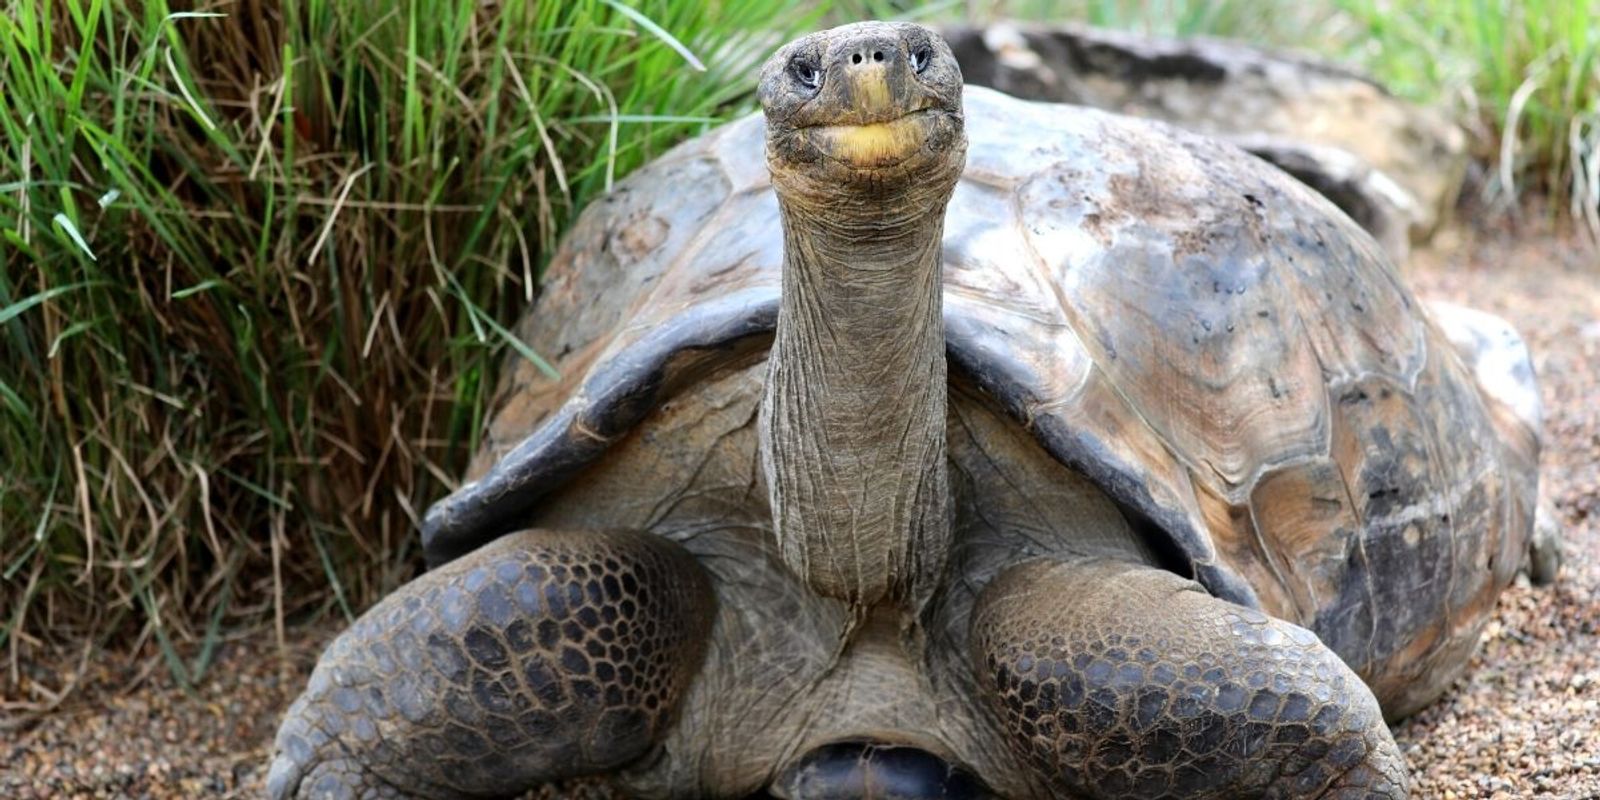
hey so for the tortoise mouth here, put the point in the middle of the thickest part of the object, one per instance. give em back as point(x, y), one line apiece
point(875, 145)
point(822, 158)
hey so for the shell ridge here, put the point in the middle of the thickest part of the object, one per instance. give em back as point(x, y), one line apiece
point(615, 396)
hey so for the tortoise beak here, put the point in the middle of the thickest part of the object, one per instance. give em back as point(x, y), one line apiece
point(870, 80)
point(867, 87)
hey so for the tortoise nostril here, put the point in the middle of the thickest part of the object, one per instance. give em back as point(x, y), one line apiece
point(866, 52)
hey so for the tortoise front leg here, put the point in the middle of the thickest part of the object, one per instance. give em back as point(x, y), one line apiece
point(542, 656)
point(1125, 681)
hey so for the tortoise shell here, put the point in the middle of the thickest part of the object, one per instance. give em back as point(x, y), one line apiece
point(1217, 348)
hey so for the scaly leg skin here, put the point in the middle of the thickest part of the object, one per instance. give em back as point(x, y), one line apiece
point(542, 656)
point(1125, 681)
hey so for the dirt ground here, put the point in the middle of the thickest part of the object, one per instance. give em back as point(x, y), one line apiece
point(1525, 722)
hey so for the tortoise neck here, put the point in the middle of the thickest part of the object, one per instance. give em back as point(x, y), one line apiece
point(853, 421)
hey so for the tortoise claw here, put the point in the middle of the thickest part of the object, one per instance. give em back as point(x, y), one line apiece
point(1545, 548)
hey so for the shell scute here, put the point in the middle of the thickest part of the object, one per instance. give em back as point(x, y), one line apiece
point(1308, 528)
point(598, 288)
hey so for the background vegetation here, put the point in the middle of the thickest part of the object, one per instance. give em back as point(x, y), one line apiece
point(1522, 76)
point(259, 258)
point(257, 268)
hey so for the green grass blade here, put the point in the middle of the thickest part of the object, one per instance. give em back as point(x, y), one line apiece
point(658, 32)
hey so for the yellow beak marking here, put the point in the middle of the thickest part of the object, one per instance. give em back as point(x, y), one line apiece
point(876, 145)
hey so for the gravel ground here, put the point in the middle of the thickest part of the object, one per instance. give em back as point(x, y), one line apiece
point(1524, 723)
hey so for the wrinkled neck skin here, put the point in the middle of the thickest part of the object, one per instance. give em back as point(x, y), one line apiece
point(853, 421)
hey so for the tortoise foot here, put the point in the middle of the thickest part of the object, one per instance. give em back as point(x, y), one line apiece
point(542, 656)
point(1120, 680)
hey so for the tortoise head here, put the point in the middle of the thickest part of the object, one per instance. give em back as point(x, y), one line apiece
point(864, 111)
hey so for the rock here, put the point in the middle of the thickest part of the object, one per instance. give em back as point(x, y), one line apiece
point(1391, 165)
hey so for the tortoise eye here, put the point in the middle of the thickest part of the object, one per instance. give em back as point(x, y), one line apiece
point(920, 58)
point(805, 72)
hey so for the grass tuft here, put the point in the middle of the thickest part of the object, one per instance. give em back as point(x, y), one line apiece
point(254, 260)
point(1523, 76)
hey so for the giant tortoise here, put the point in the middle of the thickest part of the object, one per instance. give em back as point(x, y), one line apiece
point(914, 443)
